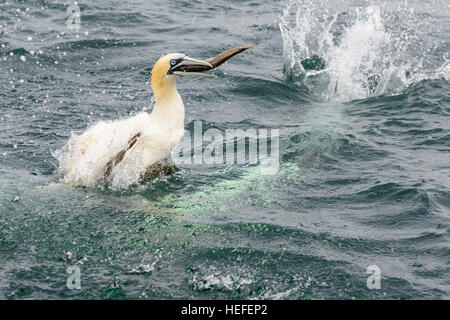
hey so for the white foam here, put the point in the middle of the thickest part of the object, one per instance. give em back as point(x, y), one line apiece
point(364, 50)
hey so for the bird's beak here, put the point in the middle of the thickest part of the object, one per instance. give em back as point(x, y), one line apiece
point(194, 67)
point(191, 67)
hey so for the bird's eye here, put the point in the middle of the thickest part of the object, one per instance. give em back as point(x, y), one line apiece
point(173, 62)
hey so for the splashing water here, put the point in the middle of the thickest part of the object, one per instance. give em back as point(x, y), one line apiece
point(82, 161)
point(343, 52)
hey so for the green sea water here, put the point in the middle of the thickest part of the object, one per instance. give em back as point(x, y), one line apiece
point(359, 91)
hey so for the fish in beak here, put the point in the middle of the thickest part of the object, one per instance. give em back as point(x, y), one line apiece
point(187, 66)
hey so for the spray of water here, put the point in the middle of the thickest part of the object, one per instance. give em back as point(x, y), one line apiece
point(342, 50)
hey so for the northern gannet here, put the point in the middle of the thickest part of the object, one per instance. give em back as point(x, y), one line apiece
point(123, 151)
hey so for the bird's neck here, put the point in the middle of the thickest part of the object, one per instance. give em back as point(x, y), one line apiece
point(169, 107)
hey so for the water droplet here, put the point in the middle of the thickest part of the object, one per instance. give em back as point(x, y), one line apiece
point(68, 254)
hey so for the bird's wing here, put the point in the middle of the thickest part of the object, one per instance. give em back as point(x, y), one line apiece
point(119, 156)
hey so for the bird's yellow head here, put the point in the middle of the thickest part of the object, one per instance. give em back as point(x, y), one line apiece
point(172, 66)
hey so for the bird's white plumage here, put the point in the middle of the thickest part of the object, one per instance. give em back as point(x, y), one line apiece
point(85, 157)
